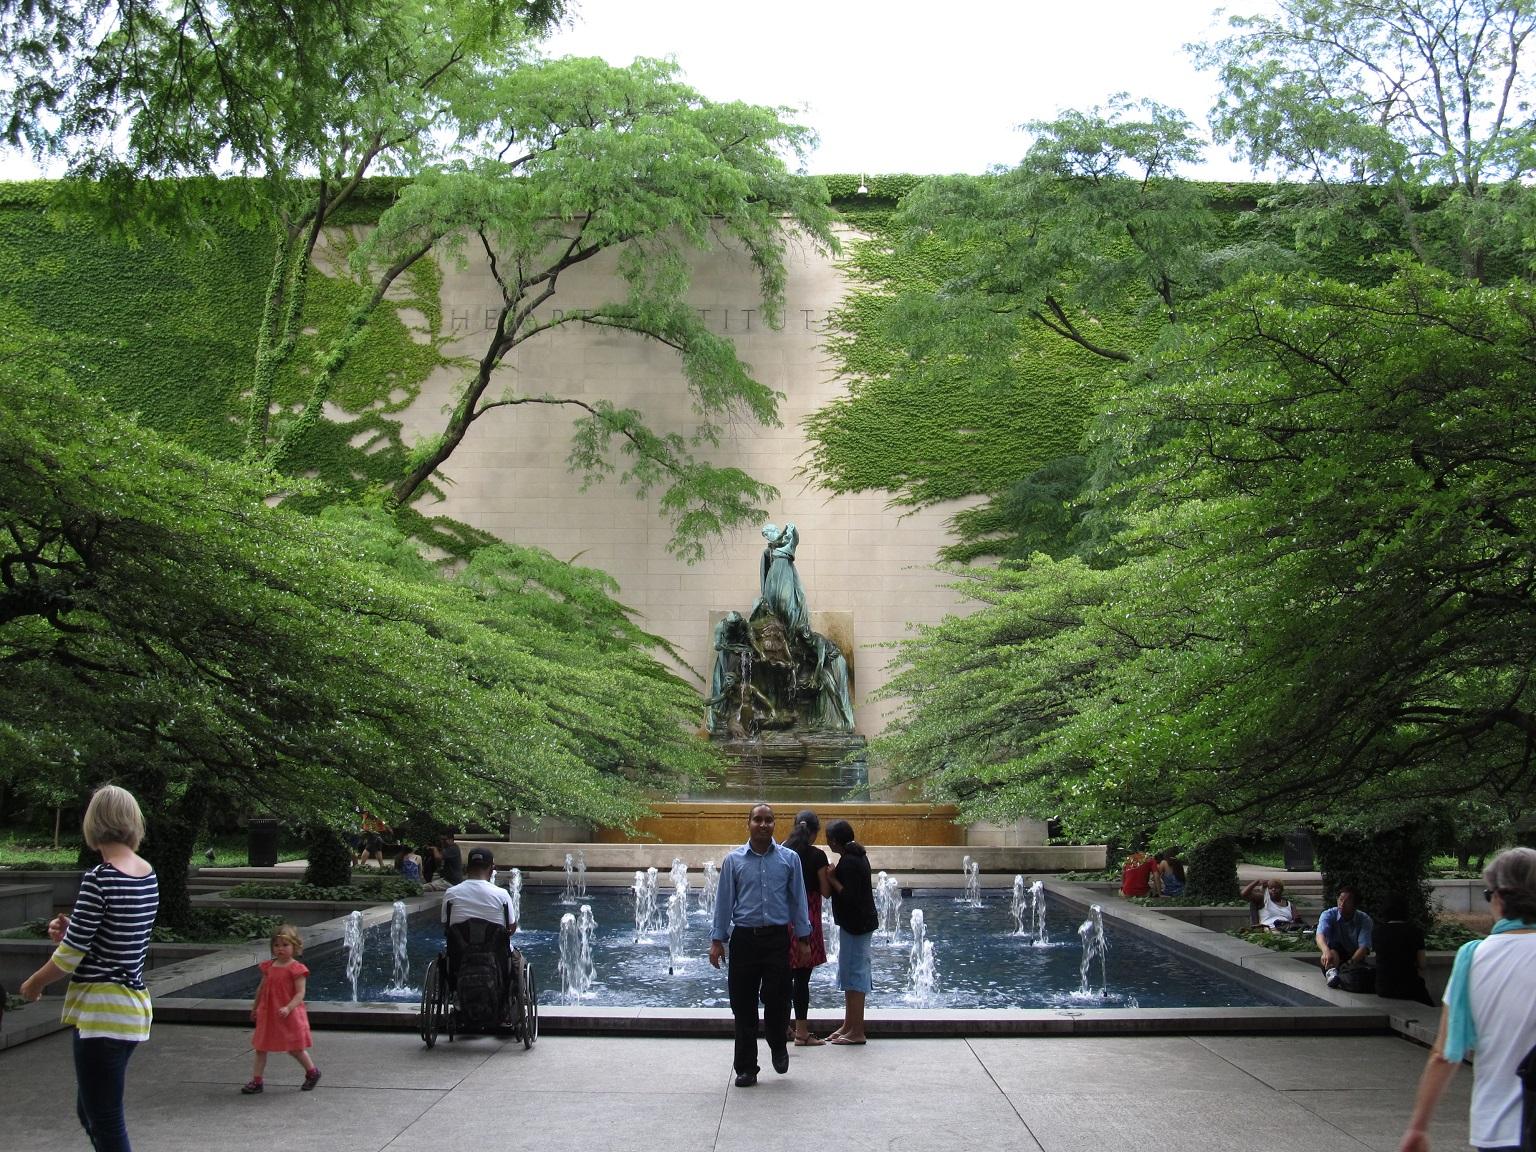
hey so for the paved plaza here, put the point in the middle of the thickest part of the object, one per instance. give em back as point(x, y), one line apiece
point(602, 1094)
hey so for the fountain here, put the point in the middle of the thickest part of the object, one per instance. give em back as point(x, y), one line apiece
point(570, 880)
point(1037, 902)
point(677, 928)
point(581, 875)
point(972, 883)
point(710, 890)
point(575, 965)
point(828, 931)
point(921, 967)
point(352, 941)
point(780, 700)
point(679, 875)
point(1095, 947)
point(888, 906)
point(515, 892)
point(1019, 906)
point(647, 915)
point(399, 942)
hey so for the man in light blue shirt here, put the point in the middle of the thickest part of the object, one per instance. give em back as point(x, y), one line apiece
point(760, 901)
point(1343, 935)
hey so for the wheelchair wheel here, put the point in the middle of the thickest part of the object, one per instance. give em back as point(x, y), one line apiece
point(433, 1006)
point(530, 1008)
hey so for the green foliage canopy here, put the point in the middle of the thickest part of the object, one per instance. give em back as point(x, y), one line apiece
point(1324, 611)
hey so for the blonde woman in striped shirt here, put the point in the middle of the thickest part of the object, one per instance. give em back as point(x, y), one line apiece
point(101, 948)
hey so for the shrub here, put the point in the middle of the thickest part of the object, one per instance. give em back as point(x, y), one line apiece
point(329, 861)
point(1380, 866)
point(1212, 871)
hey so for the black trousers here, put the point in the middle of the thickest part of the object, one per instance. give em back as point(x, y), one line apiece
point(759, 967)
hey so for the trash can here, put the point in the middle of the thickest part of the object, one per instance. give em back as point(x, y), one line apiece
point(1299, 855)
point(261, 845)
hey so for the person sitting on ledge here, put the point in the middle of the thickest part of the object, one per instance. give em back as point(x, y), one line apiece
point(1343, 936)
point(1170, 871)
point(1267, 905)
point(1138, 876)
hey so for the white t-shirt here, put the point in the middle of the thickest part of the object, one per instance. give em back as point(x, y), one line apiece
point(1503, 994)
point(476, 900)
point(1274, 913)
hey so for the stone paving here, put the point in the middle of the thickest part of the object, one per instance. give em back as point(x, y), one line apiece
point(608, 1094)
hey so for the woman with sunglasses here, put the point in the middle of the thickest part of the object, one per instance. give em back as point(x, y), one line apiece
point(1490, 1007)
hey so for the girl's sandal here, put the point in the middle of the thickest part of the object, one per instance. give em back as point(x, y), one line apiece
point(251, 1088)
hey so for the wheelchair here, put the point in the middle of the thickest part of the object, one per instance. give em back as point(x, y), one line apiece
point(478, 986)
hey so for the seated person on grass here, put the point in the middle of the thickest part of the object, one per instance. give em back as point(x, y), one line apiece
point(1267, 905)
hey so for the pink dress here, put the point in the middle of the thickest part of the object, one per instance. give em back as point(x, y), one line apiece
point(273, 1032)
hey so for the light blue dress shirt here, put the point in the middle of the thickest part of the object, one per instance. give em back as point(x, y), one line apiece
point(756, 891)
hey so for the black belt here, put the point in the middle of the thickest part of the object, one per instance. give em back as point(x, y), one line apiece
point(763, 929)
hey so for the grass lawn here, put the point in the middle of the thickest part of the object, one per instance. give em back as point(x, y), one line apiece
point(33, 849)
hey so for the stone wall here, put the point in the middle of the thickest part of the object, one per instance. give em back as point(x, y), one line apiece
point(857, 555)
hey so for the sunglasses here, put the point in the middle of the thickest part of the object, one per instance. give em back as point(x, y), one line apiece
point(1488, 893)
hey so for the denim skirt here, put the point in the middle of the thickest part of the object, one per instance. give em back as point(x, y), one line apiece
point(853, 971)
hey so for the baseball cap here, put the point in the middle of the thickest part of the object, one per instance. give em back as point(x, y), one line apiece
point(481, 856)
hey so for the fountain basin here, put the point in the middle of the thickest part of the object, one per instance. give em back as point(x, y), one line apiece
point(982, 964)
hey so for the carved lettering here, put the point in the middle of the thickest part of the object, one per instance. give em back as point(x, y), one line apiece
point(749, 312)
point(808, 313)
point(704, 314)
point(490, 318)
point(459, 320)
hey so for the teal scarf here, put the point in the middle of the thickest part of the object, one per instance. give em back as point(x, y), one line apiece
point(1461, 1030)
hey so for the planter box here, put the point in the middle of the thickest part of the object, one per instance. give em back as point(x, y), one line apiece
point(299, 913)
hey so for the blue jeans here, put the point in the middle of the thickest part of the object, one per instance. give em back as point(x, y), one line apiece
point(100, 1067)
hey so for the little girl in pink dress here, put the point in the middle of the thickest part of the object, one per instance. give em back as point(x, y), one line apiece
point(282, 1025)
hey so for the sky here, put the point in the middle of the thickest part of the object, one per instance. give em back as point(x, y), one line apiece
point(930, 88)
point(901, 87)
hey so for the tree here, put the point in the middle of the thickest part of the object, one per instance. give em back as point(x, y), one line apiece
point(574, 158)
point(1424, 106)
point(541, 166)
point(161, 625)
point(1324, 614)
point(994, 312)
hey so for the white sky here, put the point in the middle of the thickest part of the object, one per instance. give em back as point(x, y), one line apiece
point(897, 87)
point(903, 87)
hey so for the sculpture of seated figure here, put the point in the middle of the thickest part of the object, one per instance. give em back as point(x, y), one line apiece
point(833, 707)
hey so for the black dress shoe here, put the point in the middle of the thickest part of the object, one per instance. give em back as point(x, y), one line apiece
point(781, 1062)
point(746, 1079)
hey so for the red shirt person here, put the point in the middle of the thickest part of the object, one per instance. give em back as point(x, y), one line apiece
point(1136, 876)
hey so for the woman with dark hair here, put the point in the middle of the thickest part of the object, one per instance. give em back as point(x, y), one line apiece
point(853, 907)
point(1490, 1008)
point(802, 962)
point(1170, 870)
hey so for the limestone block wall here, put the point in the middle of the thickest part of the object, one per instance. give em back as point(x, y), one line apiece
point(856, 556)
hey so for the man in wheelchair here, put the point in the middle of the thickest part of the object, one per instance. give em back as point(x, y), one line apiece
point(484, 970)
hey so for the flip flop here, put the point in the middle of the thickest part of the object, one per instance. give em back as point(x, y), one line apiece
point(808, 1042)
point(843, 1040)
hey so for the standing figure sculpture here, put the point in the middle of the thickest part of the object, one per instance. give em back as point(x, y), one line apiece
point(780, 590)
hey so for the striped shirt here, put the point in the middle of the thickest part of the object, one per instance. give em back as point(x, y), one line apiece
point(104, 952)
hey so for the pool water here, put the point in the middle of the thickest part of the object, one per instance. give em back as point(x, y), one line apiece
point(980, 962)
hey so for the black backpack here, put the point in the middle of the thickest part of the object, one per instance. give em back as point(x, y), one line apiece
point(1527, 1073)
point(479, 992)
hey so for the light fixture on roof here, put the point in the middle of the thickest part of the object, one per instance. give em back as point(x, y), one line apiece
point(863, 186)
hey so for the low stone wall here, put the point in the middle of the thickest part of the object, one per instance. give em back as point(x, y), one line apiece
point(20, 958)
point(22, 902)
point(300, 913)
point(63, 885)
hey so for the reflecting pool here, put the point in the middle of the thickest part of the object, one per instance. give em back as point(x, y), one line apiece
point(979, 960)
